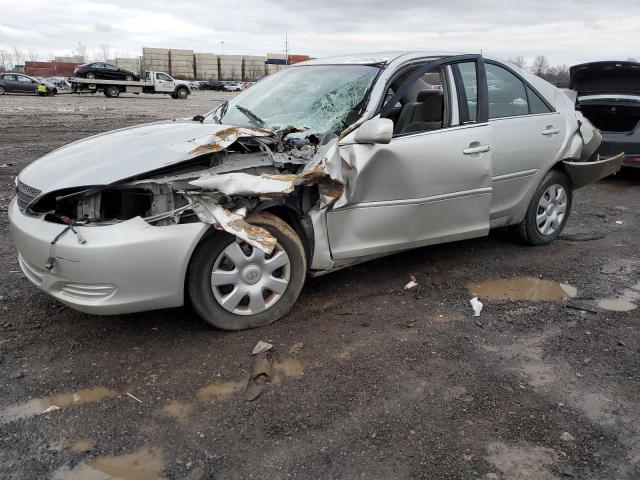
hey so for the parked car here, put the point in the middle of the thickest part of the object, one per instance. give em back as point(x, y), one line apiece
point(104, 71)
point(213, 85)
point(21, 83)
point(608, 94)
point(314, 168)
point(233, 86)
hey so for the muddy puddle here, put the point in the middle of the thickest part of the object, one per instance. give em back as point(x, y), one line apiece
point(38, 406)
point(275, 373)
point(523, 288)
point(625, 302)
point(144, 464)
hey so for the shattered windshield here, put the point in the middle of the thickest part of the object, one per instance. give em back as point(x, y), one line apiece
point(320, 99)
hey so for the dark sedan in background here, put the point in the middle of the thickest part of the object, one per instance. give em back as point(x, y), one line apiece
point(105, 71)
point(20, 83)
point(609, 96)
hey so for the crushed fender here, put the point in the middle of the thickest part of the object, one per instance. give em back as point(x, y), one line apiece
point(208, 211)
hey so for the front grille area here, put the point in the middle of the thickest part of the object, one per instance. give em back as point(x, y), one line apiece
point(25, 194)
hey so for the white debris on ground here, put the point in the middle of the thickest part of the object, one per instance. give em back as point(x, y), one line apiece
point(476, 305)
point(412, 283)
point(261, 347)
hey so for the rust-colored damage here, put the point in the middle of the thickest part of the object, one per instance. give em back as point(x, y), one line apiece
point(218, 141)
point(207, 148)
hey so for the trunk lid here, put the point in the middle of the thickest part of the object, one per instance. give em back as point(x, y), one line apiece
point(605, 77)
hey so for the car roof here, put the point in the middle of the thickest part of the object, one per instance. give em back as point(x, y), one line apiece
point(374, 58)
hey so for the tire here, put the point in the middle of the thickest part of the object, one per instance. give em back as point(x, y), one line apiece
point(548, 210)
point(128, 78)
point(2, 90)
point(112, 92)
point(182, 93)
point(91, 76)
point(211, 256)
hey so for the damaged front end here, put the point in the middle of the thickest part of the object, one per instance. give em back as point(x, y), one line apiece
point(227, 175)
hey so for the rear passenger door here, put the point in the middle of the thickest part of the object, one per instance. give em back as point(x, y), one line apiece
point(528, 134)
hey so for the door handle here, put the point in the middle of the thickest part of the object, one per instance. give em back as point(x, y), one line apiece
point(550, 130)
point(479, 149)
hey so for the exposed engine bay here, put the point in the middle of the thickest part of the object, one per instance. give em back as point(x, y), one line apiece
point(232, 173)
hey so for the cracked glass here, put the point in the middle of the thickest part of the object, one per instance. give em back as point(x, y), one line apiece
point(320, 99)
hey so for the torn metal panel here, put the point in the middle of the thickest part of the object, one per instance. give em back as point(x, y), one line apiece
point(208, 211)
point(324, 171)
point(218, 140)
point(244, 184)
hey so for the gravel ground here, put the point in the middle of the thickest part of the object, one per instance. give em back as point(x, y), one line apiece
point(387, 383)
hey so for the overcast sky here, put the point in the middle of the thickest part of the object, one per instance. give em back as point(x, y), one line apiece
point(565, 31)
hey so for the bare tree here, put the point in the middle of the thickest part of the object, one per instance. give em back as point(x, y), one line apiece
point(33, 55)
point(540, 65)
point(5, 59)
point(558, 75)
point(81, 51)
point(104, 53)
point(18, 56)
point(518, 61)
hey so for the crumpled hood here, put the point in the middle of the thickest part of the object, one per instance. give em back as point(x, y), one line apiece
point(113, 156)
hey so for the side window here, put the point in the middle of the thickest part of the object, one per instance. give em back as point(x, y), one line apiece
point(507, 94)
point(422, 107)
point(469, 76)
point(108, 66)
point(536, 105)
point(23, 79)
point(163, 77)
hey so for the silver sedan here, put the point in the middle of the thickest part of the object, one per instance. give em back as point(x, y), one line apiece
point(323, 165)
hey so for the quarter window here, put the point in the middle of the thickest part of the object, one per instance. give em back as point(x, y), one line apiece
point(507, 94)
point(536, 105)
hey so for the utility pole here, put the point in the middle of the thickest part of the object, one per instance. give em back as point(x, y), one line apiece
point(286, 47)
point(222, 48)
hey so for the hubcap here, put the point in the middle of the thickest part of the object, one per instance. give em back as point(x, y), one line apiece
point(552, 208)
point(246, 281)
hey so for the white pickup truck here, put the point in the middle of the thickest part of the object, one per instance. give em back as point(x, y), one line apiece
point(154, 82)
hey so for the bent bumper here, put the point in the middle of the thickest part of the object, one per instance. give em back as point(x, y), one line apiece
point(128, 267)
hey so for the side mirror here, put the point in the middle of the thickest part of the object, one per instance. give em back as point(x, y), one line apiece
point(376, 130)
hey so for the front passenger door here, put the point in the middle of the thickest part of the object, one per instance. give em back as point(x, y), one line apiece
point(431, 184)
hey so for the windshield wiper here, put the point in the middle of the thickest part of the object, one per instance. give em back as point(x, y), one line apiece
point(253, 118)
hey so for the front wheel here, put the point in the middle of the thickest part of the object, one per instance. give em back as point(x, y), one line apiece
point(234, 286)
point(128, 78)
point(2, 90)
point(182, 93)
point(91, 76)
point(548, 210)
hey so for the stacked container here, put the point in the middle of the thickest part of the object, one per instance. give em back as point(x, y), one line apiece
point(181, 63)
point(156, 59)
point(252, 68)
point(298, 58)
point(230, 67)
point(206, 66)
point(72, 59)
point(276, 59)
point(131, 64)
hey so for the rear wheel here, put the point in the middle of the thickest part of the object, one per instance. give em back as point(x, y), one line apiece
point(234, 286)
point(91, 75)
point(2, 90)
point(128, 78)
point(112, 92)
point(548, 210)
